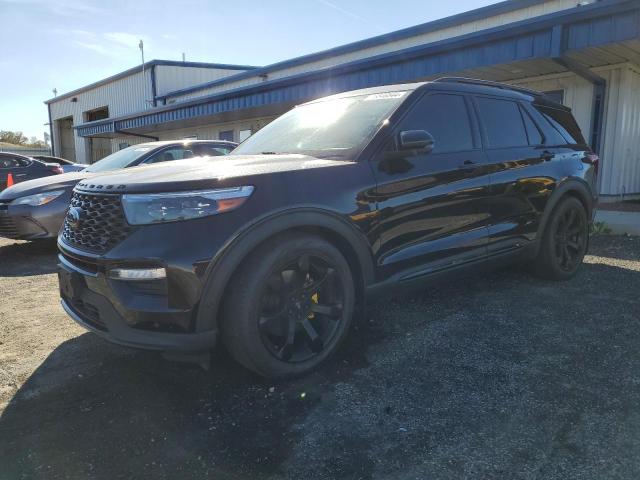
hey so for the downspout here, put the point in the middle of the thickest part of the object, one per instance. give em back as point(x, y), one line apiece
point(53, 147)
point(153, 86)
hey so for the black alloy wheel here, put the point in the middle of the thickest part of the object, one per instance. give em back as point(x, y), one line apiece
point(570, 239)
point(289, 306)
point(302, 307)
point(564, 242)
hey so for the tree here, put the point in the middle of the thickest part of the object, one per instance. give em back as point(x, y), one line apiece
point(17, 138)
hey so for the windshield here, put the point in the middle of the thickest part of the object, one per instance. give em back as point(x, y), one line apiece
point(332, 128)
point(120, 159)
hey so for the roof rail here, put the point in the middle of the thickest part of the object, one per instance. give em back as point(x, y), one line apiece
point(488, 83)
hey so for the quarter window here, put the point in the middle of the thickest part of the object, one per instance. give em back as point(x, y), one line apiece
point(534, 135)
point(502, 123)
point(446, 118)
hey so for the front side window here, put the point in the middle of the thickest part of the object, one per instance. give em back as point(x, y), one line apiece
point(502, 122)
point(446, 118)
point(336, 128)
point(169, 155)
point(8, 162)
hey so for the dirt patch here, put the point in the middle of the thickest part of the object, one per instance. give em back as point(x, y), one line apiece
point(494, 376)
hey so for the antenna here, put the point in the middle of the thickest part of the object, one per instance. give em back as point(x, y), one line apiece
point(184, 57)
point(144, 77)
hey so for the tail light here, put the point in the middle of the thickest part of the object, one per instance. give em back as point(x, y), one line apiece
point(592, 159)
point(56, 169)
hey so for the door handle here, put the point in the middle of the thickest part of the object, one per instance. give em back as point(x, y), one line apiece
point(546, 156)
point(466, 164)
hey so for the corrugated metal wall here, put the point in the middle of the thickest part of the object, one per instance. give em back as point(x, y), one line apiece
point(170, 78)
point(620, 172)
point(122, 96)
point(450, 32)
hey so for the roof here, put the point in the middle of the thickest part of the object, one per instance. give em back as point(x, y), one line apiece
point(149, 64)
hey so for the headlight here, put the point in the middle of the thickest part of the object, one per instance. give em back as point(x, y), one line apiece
point(141, 209)
point(38, 198)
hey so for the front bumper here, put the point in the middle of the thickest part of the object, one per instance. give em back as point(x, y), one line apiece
point(25, 222)
point(132, 315)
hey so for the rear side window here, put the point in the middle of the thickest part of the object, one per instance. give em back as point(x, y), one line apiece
point(563, 122)
point(534, 135)
point(446, 118)
point(502, 121)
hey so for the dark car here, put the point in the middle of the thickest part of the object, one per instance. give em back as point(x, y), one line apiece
point(23, 168)
point(36, 209)
point(67, 165)
point(274, 247)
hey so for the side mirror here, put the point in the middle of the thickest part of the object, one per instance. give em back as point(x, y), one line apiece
point(416, 140)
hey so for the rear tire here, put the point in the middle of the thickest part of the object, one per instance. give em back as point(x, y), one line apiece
point(289, 306)
point(564, 242)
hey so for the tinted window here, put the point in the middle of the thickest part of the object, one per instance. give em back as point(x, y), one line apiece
point(446, 118)
point(502, 123)
point(169, 155)
point(563, 122)
point(8, 162)
point(534, 135)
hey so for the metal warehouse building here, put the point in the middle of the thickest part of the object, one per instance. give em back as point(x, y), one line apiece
point(586, 55)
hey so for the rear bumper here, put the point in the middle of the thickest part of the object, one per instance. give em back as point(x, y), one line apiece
point(132, 317)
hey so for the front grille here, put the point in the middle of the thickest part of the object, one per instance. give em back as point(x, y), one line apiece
point(101, 224)
point(7, 227)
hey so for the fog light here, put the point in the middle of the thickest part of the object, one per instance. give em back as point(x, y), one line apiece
point(137, 273)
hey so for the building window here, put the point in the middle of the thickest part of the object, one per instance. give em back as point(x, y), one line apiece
point(555, 95)
point(244, 134)
point(97, 114)
point(226, 135)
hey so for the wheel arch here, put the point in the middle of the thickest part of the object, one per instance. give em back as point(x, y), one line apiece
point(573, 187)
point(351, 242)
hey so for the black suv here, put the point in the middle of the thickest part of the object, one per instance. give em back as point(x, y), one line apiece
point(274, 247)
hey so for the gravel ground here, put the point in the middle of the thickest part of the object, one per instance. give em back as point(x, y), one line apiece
point(495, 376)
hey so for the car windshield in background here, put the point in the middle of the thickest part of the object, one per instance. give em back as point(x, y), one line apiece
point(120, 159)
point(333, 128)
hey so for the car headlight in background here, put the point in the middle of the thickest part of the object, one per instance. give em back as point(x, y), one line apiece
point(38, 199)
point(143, 209)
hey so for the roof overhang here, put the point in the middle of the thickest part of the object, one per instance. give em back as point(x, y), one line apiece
point(603, 33)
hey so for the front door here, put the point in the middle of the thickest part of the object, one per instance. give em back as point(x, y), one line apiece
point(432, 207)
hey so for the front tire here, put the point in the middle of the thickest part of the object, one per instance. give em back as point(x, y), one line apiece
point(564, 243)
point(289, 306)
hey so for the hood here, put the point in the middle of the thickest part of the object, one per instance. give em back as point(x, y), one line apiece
point(44, 184)
point(204, 172)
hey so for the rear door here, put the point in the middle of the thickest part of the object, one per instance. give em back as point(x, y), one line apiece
point(524, 170)
point(432, 207)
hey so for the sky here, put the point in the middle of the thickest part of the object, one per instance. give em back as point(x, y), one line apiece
point(66, 44)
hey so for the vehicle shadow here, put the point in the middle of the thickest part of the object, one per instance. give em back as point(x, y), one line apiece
point(492, 374)
point(21, 259)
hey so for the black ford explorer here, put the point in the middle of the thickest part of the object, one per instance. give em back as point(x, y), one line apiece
point(273, 248)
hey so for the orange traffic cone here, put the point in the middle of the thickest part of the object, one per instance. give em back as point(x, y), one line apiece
point(9, 180)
